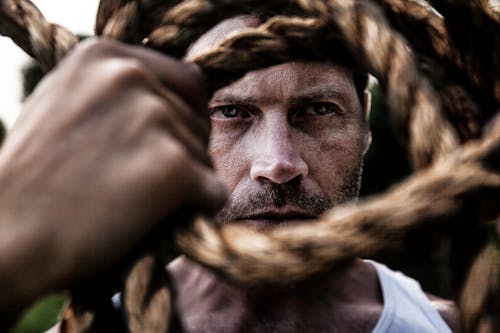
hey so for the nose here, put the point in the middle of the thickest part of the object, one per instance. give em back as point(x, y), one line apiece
point(276, 157)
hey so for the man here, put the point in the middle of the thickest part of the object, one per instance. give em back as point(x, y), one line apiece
point(119, 152)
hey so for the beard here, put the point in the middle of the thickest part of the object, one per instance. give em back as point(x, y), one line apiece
point(292, 193)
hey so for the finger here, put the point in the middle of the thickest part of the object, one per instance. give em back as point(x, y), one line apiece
point(193, 143)
point(209, 193)
point(182, 115)
point(146, 113)
point(186, 181)
point(177, 119)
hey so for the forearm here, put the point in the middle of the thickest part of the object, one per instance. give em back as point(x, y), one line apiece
point(28, 267)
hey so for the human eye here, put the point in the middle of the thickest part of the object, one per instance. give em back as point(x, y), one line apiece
point(228, 112)
point(318, 109)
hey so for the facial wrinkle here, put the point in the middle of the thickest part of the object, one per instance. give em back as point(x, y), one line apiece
point(292, 194)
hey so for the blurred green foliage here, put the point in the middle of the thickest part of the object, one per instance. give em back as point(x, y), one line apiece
point(41, 316)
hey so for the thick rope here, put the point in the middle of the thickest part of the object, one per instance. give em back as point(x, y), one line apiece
point(457, 46)
point(475, 297)
point(46, 42)
point(426, 32)
point(434, 195)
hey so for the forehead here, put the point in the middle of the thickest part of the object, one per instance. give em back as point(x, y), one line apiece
point(288, 81)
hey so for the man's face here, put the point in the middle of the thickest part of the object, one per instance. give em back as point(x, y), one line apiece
point(288, 143)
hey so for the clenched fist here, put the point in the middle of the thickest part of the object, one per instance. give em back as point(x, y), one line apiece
point(111, 142)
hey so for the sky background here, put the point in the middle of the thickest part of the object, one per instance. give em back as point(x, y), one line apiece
point(76, 15)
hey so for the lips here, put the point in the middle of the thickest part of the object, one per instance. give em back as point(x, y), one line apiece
point(276, 217)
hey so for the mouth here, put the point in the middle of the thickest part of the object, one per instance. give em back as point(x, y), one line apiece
point(269, 219)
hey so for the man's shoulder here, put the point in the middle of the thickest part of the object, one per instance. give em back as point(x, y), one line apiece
point(448, 311)
point(404, 290)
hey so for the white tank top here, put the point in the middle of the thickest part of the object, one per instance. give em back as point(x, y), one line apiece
point(406, 308)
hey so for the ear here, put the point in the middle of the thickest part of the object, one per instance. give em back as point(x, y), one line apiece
point(366, 109)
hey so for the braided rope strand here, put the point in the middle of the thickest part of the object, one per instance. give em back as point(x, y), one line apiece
point(147, 303)
point(478, 60)
point(46, 42)
point(106, 10)
point(438, 194)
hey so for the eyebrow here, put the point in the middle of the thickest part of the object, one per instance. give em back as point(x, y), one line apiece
point(326, 92)
point(233, 99)
point(320, 93)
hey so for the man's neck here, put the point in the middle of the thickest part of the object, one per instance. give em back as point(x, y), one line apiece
point(207, 302)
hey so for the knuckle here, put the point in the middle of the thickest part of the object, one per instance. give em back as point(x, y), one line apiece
point(124, 70)
point(94, 48)
point(110, 58)
point(194, 72)
point(170, 158)
point(195, 76)
point(152, 110)
point(176, 152)
point(154, 104)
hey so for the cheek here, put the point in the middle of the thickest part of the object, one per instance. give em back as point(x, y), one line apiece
point(228, 158)
point(334, 157)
